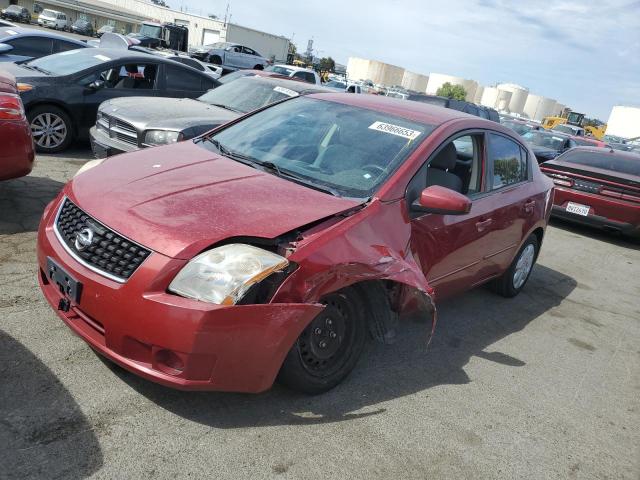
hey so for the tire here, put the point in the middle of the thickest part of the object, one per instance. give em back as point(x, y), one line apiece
point(216, 60)
point(312, 368)
point(60, 127)
point(258, 67)
point(515, 278)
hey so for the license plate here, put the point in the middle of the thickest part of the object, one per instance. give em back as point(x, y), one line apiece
point(578, 209)
point(69, 287)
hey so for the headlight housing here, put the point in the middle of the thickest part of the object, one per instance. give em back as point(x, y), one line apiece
point(224, 274)
point(161, 137)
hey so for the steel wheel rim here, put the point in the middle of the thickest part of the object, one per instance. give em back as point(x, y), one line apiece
point(337, 319)
point(523, 266)
point(49, 130)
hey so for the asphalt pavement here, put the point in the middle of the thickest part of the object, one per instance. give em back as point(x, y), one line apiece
point(546, 385)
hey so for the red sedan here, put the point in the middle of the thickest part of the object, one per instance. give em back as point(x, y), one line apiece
point(597, 187)
point(273, 245)
point(16, 153)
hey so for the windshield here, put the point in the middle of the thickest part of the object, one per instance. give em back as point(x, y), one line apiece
point(234, 76)
point(348, 150)
point(69, 62)
point(106, 28)
point(336, 84)
point(520, 128)
point(280, 70)
point(247, 94)
point(152, 31)
point(544, 139)
point(81, 23)
point(603, 161)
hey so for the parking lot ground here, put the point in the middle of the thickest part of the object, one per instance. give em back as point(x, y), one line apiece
point(546, 385)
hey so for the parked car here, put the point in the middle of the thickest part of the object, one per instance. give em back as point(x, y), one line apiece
point(144, 122)
point(82, 27)
point(214, 71)
point(569, 130)
point(597, 187)
point(520, 126)
point(62, 92)
point(547, 145)
point(304, 74)
point(53, 19)
point(22, 44)
point(231, 55)
point(460, 105)
point(590, 142)
point(273, 245)
point(16, 154)
point(105, 29)
point(617, 143)
point(17, 14)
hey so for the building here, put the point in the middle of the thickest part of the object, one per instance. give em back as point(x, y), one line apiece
point(414, 82)
point(127, 15)
point(478, 96)
point(489, 97)
point(517, 99)
point(379, 73)
point(624, 122)
point(436, 80)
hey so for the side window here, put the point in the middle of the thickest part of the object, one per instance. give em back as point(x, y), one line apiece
point(507, 160)
point(189, 62)
point(458, 165)
point(31, 46)
point(179, 79)
point(129, 76)
point(305, 76)
point(248, 51)
point(62, 46)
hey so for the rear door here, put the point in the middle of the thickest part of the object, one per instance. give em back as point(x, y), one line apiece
point(180, 82)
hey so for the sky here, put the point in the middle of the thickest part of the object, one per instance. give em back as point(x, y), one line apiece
point(585, 54)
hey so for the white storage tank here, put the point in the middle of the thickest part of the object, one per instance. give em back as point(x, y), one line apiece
point(519, 96)
point(478, 96)
point(489, 97)
point(559, 109)
point(502, 101)
point(624, 122)
point(415, 82)
point(379, 73)
point(436, 80)
point(537, 107)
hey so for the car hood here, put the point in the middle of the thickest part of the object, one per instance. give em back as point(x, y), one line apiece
point(169, 113)
point(180, 199)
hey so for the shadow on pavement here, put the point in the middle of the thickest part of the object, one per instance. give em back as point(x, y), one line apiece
point(613, 238)
point(43, 432)
point(22, 202)
point(467, 327)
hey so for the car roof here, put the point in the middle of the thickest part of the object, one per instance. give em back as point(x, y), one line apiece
point(419, 112)
point(32, 32)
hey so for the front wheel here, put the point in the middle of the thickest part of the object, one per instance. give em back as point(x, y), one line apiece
point(258, 67)
point(51, 128)
point(216, 60)
point(329, 348)
point(516, 276)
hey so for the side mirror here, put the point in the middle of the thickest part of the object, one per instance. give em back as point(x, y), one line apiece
point(96, 85)
point(441, 201)
point(5, 48)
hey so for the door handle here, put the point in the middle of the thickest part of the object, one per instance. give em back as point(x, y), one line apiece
point(483, 224)
point(529, 205)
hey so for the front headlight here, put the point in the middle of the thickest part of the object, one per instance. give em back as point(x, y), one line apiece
point(161, 137)
point(224, 274)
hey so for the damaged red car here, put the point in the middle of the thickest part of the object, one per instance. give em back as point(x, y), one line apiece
point(274, 245)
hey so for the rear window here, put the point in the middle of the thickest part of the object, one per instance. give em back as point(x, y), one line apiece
point(604, 161)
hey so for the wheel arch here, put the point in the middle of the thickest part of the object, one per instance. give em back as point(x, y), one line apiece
point(39, 103)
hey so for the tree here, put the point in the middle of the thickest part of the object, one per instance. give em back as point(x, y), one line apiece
point(457, 92)
point(327, 64)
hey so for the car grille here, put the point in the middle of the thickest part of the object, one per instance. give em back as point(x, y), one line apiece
point(585, 186)
point(116, 128)
point(107, 253)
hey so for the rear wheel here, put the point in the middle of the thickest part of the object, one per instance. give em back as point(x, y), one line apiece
point(216, 60)
point(258, 67)
point(515, 278)
point(51, 128)
point(329, 348)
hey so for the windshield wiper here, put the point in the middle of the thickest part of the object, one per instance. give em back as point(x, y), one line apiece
point(226, 107)
point(39, 69)
point(296, 178)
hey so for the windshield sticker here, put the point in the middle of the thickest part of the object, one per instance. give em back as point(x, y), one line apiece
point(395, 130)
point(286, 91)
point(104, 58)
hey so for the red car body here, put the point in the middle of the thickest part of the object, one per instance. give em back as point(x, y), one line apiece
point(16, 153)
point(181, 200)
point(611, 199)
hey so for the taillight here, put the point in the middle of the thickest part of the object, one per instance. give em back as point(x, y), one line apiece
point(11, 107)
point(561, 180)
